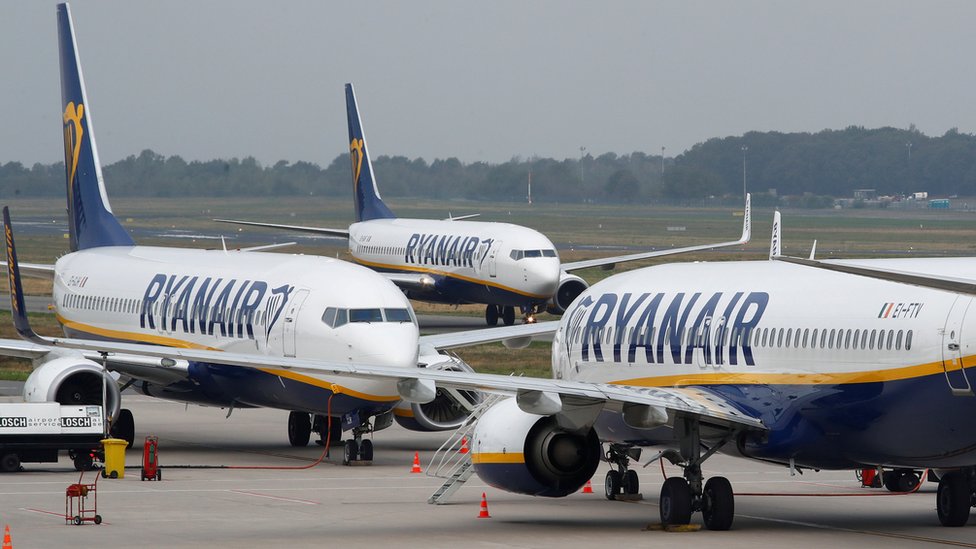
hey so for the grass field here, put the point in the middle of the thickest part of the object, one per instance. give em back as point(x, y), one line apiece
point(580, 231)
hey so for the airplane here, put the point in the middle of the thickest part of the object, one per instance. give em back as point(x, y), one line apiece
point(785, 361)
point(259, 304)
point(455, 261)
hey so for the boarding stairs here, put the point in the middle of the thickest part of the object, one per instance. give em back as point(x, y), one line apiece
point(449, 463)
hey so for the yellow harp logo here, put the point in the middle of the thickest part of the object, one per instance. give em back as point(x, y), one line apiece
point(356, 155)
point(73, 132)
point(11, 265)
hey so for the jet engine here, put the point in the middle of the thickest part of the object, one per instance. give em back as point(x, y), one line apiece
point(449, 408)
point(530, 454)
point(71, 379)
point(570, 287)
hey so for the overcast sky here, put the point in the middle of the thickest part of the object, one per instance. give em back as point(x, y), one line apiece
point(481, 81)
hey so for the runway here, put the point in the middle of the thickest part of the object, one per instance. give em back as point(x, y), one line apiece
point(384, 504)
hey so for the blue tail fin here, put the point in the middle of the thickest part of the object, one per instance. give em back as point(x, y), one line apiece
point(369, 205)
point(90, 220)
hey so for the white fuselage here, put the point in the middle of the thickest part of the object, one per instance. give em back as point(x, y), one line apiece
point(247, 302)
point(472, 261)
point(842, 369)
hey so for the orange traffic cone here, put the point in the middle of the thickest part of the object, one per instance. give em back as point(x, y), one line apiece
point(416, 463)
point(588, 488)
point(464, 445)
point(7, 544)
point(484, 507)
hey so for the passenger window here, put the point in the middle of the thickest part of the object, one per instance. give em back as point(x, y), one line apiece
point(779, 339)
point(847, 340)
point(857, 335)
point(881, 334)
point(908, 341)
point(796, 339)
point(765, 335)
point(898, 341)
point(830, 344)
point(789, 335)
point(891, 336)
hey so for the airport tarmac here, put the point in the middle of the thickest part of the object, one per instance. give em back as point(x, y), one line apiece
point(384, 504)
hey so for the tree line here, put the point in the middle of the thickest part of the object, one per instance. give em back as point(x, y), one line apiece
point(808, 167)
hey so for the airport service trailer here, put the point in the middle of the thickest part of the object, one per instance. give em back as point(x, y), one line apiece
point(35, 432)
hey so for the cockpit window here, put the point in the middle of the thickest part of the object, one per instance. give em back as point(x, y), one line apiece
point(329, 316)
point(365, 315)
point(519, 254)
point(397, 315)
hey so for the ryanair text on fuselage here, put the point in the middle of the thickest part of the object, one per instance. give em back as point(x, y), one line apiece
point(443, 249)
point(718, 325)
point(213, 303)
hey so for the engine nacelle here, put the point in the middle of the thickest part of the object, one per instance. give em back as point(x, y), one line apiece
point(71, 379)
point(530, 454)
point(447, 411)
point(570, 287)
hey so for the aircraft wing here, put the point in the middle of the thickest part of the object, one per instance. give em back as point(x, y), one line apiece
point(950, 284)
point(454, 340)
point(411, 281)
point(34, 270)
point(609, 262)
point(322, 231)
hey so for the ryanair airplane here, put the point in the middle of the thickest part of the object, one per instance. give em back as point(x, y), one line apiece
point(261, 305)
point(453, 261)
point(808, 364)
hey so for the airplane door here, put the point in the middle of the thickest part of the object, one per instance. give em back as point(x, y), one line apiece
point(290, 321)
point(954, 348)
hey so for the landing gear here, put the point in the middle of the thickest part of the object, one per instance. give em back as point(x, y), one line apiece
point(124, 426)
point(900, 480)
point(957, 495)
point(622, 480)
point(508, 315)
point(359, 450)
point(491, 315)
point(680, 497)
point(320, 424)
point(299, 429)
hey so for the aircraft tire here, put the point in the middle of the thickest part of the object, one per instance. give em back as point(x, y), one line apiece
point(675, 501)
point(299, 429)
point(954, 499)
point(612, 484)
point(491, 315)
point(718, 504)
point(351, 452)
point(366, 450)
point(631, 482)
point(508, 315)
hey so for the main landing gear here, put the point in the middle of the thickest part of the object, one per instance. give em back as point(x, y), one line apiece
point(622, 481)
point(680, 497)
point(300, 428)
point(957, 495)
point(494, 312)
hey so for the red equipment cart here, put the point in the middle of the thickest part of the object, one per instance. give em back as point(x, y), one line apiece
point(76, 503)
point(150, 459)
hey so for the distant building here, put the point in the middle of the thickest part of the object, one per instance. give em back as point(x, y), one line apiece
point(865, 194)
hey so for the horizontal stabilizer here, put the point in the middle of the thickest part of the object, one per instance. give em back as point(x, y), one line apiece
point(337, 233)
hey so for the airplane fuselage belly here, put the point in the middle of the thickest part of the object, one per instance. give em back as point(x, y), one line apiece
point(843, 370)
point(261, 304)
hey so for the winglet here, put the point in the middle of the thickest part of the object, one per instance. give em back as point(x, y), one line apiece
point(776, 241)
point(747, 220)
point(813, 250)
point(17, 308)
point(369, 205)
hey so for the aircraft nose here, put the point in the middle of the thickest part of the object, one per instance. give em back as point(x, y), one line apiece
point(542, 276)
point(390, 344)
